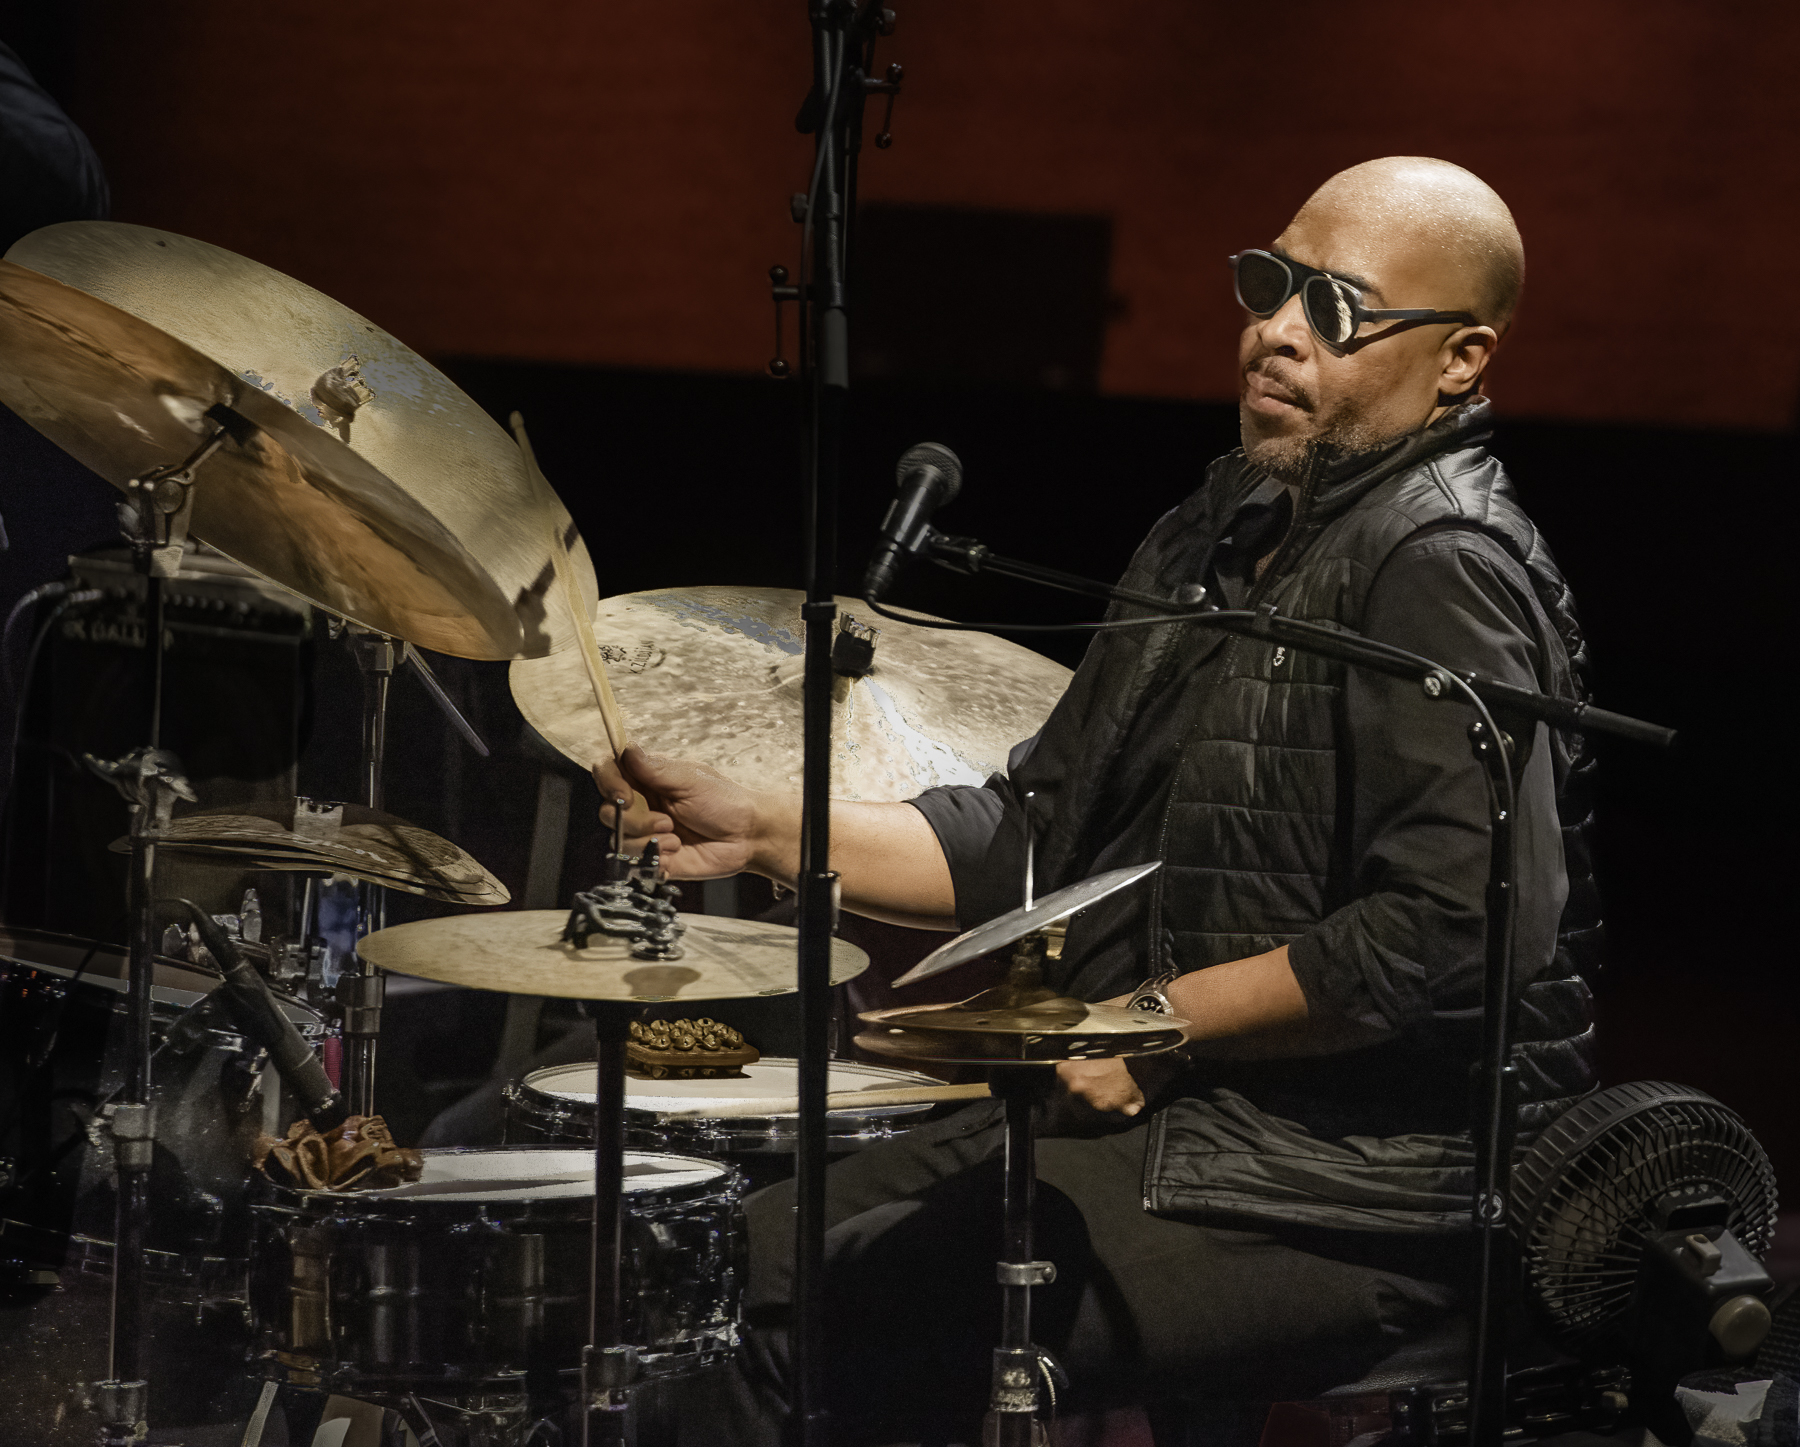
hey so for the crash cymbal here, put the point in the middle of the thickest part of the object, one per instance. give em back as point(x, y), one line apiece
point(997, 933)
point(714, 674)
point(352, 839)
point(522, 952)
point(406, 508)
point(290, 501)
point(1042, 1033)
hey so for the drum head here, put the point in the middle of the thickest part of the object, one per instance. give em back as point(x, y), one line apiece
point(770, 1079)
point(520, 1175)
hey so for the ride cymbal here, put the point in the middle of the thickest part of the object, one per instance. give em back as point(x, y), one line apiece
point(406, 507)
point(714, 674)
point(522, 952)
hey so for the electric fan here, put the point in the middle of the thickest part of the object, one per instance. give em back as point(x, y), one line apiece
point(1642, 1214)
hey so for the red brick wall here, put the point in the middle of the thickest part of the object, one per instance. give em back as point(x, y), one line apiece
point(604, 181)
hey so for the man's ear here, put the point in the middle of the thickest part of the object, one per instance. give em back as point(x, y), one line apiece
point(1466, 355)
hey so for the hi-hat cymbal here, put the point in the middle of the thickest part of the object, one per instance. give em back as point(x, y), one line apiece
point(522, 952)
point(1041, 1033)
point(997, 933)
point(406, 508)
point(714, 674)
point(350, 839)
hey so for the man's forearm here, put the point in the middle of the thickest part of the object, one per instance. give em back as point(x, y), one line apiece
point(1254, 1009)
point(886, 856)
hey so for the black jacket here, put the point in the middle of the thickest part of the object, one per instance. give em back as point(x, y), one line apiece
point(1274, 808)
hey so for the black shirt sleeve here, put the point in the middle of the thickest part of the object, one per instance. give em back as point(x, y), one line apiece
point(1409, 943)
point(48, 171)
point(965, 820)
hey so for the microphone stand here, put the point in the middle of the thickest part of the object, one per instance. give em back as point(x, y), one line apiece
point(1494, 1117)
point(844, 34)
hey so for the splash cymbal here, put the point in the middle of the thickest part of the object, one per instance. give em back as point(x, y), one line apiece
point(1004, 930)
point(522, 952)
point(714, 674)
point(401, 505)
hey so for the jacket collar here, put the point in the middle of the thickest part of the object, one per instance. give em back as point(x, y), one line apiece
point(1338, 487)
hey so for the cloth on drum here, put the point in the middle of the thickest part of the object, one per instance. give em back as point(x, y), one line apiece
point(1143, 1307)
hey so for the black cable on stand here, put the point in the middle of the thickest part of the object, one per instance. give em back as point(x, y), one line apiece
point(844, 34)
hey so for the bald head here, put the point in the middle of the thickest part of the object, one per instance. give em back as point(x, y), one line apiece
point(1451, 221)
point(1407, 234)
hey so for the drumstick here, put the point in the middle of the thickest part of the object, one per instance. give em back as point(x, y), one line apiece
point(610, 716)
point(842, 1100)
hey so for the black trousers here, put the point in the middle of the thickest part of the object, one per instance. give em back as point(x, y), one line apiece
point(1143, 1308)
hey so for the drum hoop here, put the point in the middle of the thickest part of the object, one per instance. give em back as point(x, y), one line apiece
point(722, 1184)
point(853, 1121)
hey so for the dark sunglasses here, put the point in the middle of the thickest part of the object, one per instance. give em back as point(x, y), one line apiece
point(1333, 307)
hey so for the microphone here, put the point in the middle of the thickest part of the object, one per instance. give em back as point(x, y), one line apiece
point(929, 475)
point(252, 1006)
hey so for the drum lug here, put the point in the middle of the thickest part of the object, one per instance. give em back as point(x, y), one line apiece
point(120, 1407)
point(133, 1129)
point(609, 1369)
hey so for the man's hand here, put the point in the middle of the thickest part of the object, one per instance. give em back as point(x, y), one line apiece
point(705, 825)
point(1102, 1085)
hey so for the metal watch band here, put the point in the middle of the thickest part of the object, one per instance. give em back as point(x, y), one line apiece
point(1152, 996)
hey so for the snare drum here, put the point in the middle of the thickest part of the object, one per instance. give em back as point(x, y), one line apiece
point(557, 1104)
point(477, 1273)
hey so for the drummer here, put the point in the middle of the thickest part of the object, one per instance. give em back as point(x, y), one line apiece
point(1270, 1212)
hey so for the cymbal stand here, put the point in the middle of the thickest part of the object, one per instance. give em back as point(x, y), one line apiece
point(634, 900)
point(609, 1366)
point(1012, 1417)
point(156, 520)
point(361, 987)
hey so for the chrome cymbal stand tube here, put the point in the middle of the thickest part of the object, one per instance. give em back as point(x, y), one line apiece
point(156, 520)
point(634, 900)
point(609, 1367)
point(1012, 1417)
point(844, 33)
point(361, 987)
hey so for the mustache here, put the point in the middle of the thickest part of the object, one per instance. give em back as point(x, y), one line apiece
point(1275, 371)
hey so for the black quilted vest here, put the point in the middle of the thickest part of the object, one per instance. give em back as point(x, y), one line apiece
point(1270, 860)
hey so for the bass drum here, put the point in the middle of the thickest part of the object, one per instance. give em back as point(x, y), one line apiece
point(474, 1278)
point(557, 1104)
point(63, 1036)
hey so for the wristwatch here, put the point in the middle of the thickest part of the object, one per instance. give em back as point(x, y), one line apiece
point(1152, 997)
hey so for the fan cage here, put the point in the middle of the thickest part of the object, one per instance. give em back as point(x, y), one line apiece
point(1585, 1192)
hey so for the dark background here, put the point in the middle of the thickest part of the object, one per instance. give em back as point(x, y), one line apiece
point(572, 212)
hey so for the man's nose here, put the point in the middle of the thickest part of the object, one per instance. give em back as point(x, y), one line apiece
point(1285, 333)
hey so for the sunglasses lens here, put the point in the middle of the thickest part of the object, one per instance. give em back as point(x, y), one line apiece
point(1263, 283)
point(1329, 309)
